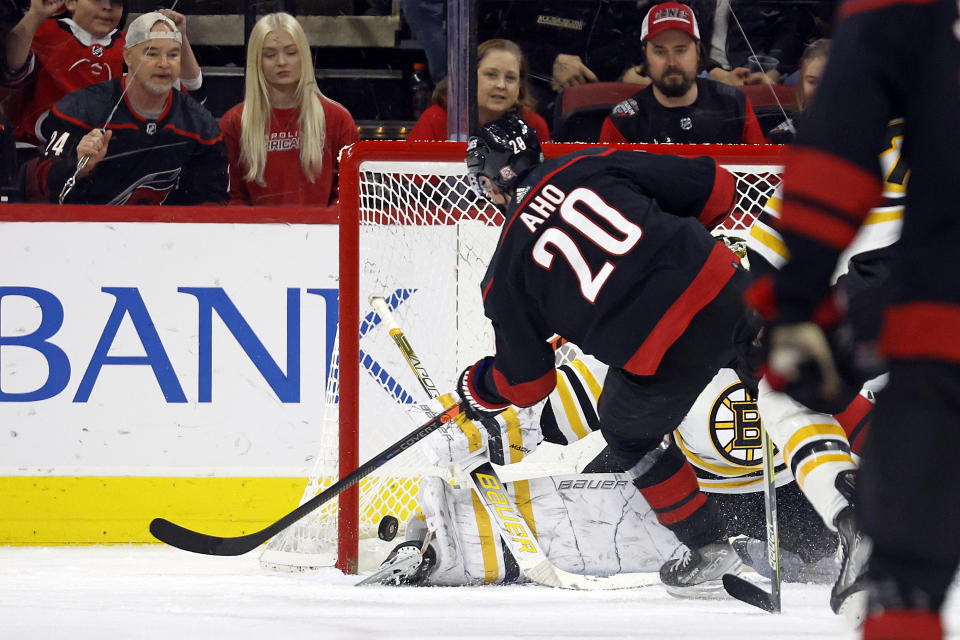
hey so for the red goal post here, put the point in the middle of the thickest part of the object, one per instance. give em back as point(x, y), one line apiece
point(401, 205)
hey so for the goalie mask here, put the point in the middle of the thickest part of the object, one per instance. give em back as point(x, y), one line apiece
point(503, 153)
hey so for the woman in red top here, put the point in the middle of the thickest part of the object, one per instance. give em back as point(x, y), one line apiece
point(502, 85)
point(284, 138)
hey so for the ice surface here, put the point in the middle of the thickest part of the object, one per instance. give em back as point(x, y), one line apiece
point(152, 592)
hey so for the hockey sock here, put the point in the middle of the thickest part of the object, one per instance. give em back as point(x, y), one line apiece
point(668, 483)
point(855, 420)
point(903, 624)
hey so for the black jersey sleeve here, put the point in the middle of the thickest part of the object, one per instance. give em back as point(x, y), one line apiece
point(46, 175)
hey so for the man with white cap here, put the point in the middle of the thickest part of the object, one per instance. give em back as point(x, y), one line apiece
point(133, 140)
point(679, 106)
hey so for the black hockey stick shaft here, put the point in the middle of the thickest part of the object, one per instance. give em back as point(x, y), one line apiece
point(189, 540)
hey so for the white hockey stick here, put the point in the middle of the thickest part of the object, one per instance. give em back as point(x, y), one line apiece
point(511, 526)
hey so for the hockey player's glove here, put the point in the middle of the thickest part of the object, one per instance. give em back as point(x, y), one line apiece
point(504, 438)
point(473, 387)
point(814, 362)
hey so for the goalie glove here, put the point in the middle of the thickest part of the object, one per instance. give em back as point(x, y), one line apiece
point(503, 439)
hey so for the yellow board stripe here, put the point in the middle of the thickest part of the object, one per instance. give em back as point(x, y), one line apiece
point(810, 431)
point(514, 435)
point(521, 493)
point(491, 568)
point(45, 510)
point(589, 378)
point(818, 460)
point(573, 416)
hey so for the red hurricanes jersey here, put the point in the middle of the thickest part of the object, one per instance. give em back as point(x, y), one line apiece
point(64, 58)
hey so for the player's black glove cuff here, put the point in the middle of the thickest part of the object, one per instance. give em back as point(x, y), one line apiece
point(472, 384)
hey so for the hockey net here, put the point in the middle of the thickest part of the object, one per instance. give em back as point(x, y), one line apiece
point(412, 232)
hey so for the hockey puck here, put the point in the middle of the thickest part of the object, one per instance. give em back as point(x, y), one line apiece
point(387, 530)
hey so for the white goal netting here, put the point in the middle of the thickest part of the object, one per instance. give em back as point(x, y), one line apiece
point(413, 233)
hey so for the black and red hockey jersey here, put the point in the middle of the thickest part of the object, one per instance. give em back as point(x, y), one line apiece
point(721, 114)
point(610, 250)
point(63, 58)
point(888, 59)
point(177, 159)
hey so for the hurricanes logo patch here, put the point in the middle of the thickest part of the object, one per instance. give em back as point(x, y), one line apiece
point(735, 427)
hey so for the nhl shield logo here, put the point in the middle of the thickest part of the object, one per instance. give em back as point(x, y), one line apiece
point(97, 51)
point(151, 128)
point(686, 124)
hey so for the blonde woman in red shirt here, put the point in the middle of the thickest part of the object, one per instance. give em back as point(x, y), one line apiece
point(502, 86)
point(284, 138)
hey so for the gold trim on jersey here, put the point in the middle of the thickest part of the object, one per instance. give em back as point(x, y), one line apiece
point(587, 376)
point(820, 459)
point(570, 408)
point(811, 432)
point(879, 215)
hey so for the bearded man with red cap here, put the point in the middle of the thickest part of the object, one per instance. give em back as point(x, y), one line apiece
point(679, 106)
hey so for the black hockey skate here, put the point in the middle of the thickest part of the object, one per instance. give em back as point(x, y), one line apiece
point(698, 573)
point(849, 596)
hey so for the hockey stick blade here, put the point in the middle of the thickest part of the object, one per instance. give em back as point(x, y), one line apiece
point(746, 591)
point(197, 542)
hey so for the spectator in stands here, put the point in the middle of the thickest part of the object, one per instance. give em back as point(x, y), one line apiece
point(52, 58)
point(569, 42)
point(770, 28)
point(502, 86)
point(133, 140)
point(812, 64)
point(426, 20)
point(678, 106)
point(284, 138)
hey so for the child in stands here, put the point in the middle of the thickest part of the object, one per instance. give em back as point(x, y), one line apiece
point(52, 58)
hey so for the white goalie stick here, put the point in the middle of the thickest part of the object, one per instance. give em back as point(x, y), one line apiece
point(742, 589)
point(513, 529)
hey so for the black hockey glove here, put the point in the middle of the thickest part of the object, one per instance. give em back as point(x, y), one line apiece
point(814, 362)
point(474, 387)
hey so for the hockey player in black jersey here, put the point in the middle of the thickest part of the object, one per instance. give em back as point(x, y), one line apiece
point(907, 492)
point(144, 142)
point(611, 250)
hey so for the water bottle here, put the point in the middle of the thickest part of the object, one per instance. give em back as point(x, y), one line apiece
point(420, 90)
